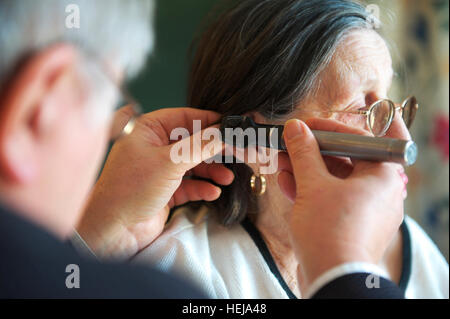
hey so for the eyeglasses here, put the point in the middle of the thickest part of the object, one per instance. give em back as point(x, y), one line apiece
point(379, 115)
point(125, 98)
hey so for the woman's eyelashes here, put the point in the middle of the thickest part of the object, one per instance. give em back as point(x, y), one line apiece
point(364, 102)
point(357, 104)
point(349, 117)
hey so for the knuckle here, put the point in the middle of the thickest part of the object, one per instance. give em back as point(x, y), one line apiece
point(156, 128)
point(299, 147)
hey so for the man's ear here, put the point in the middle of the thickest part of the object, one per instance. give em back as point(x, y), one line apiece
point(26, 113)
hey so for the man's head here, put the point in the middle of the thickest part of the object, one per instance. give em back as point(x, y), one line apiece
point(58, 87)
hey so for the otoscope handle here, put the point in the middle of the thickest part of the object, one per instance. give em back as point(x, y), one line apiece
point(361, 147)
point(330, 143)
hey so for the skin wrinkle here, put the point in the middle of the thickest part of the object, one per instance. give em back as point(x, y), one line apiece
point(360, 67)
point(349, 73)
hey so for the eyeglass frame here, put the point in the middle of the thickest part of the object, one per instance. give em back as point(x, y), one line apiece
point(370, 108)
point(125, 96)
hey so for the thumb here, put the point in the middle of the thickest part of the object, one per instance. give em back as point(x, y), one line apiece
point(201, 146)
point(304, 153)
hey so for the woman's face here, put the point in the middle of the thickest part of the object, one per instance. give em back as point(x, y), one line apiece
point(359, 74)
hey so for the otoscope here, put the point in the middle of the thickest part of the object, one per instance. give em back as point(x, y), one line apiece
point(330, 143)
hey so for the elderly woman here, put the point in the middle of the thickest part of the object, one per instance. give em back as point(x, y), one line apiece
point(274, 60)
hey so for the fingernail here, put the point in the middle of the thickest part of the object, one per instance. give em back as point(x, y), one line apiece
point(293, 128)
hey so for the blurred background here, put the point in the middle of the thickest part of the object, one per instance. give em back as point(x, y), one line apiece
point(418, 34)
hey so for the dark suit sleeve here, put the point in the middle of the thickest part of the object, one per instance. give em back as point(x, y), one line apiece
point(34, 264)
point(353, 286)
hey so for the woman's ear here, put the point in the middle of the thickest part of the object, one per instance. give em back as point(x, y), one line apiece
point(26, 112)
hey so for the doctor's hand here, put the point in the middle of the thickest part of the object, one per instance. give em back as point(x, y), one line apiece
point(336, 218)
point(141, 182)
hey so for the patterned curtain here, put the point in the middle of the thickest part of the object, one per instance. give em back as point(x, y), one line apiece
point(418, 33)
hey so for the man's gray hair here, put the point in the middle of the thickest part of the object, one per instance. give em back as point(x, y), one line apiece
point(117, 31)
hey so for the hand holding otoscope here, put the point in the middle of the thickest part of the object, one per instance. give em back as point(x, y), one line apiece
point(330, 143)
point(351, 201)
point(353, 218)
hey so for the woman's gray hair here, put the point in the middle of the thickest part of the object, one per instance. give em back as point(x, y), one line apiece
point(118, 31)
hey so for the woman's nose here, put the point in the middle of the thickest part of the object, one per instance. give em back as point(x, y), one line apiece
point(398, 128)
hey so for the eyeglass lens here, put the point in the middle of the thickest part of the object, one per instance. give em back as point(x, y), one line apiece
point(381, 116)
point(409, 108)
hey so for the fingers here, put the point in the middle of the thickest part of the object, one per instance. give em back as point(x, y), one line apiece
point(166, 120)
point(338, 166)
point(215, 172)
point(303, 152)
point(342, 168)
point(197, 148)
point(194, 190)
point(334, 126)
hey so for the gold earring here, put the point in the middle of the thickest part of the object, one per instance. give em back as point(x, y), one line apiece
point(258, 184)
